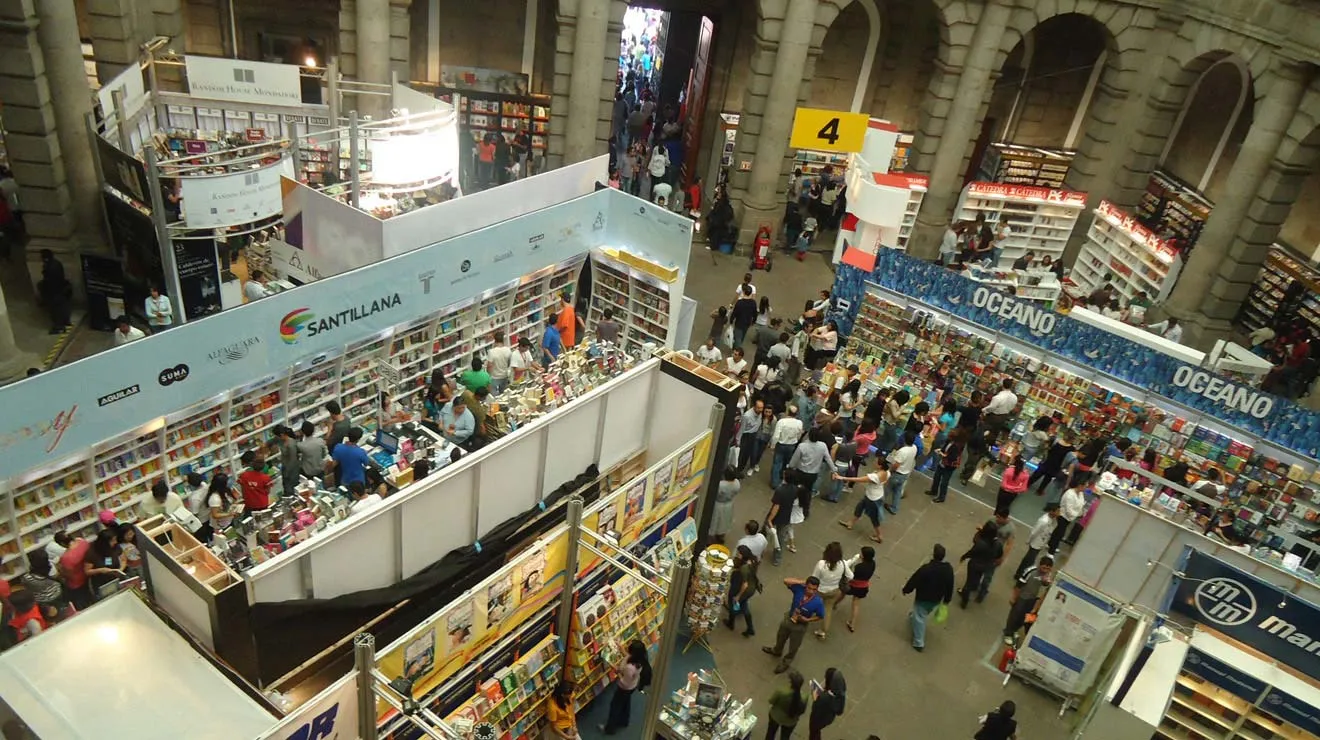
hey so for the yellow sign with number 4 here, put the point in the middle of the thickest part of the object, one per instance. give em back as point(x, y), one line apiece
point(828, 130)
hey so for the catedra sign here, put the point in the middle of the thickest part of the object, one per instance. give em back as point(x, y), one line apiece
point(1005, 306)
point(1224, 392)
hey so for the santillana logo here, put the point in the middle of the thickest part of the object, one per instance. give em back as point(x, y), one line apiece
point(293, 323)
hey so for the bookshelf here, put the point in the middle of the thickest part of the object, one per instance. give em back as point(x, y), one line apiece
point(1139, 260)
point(1011, 164)
point(1042, 219)
point(211, 436)
point(511, 699)
point(640, 301)
point(603, 625)
point(1173, 205)
point(813, 163)
point(1267, 294)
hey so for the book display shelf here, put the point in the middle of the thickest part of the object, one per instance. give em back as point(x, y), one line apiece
point(1169, 204)
point(1281, 269)
point(638, 298)
point(813, 163)
point(603, 625)
point(917, 185)
point(1024, 165)
point(211, 436)
point(512, 698)
point(1139, 260)
point(898, 346)
point(1041, 219)
point(481, 113)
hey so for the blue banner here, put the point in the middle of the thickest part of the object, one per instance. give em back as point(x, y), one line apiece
point(1223, 675)
point(1275, 419)
point(1292, 710)
point(1251, 611)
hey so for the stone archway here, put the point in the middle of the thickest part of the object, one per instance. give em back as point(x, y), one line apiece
point(1212, 123)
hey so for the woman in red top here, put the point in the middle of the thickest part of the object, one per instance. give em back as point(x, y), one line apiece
point(1013, 484)
point(486, 160)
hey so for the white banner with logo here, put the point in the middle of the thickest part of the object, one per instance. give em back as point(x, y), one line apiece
point(330, 715)
point(242, 81)
point(238, 198)
point(289, 261)
point(1074, 630)
point(135, 94)
point(55, 415)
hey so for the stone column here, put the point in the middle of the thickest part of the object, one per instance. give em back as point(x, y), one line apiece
point(115, 36)
point(371, 46)
point(959, 128)
point(591, 27)
point(1212, 264)
point(763, 198)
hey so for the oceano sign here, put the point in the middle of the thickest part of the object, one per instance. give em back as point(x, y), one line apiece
point(1037, 319)
point(1224, 392)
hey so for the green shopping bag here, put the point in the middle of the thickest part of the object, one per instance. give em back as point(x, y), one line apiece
point(941, 613)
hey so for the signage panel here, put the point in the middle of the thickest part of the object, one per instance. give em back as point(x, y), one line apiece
point(828, 130)
point(218, 201)
point(243, 81)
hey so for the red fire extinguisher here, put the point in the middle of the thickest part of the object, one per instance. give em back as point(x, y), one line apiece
point(1006, 658)
point(761, 249)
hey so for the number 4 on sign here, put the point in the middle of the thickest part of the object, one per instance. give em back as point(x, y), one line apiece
point(828, 130)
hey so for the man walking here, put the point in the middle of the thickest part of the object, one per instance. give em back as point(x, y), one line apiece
point(1000, 409)
point(1005, 535)
point(749, 440)
point(1072, 505)
point(1039, 538)
point(933, 585)
point(902, 461)
point(807, 607)
point(783, 441)
point(1027, 595)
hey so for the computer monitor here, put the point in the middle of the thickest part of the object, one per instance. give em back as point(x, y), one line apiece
point(389, 442)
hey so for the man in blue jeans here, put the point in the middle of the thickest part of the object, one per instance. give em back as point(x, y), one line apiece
point(902, 461)
point(933, 585)
point(807, 607)
point(783, 440)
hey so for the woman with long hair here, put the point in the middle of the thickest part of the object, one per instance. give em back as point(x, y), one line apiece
point(1012, 484)
point(832, 571)
point(828, 704)
point(949, 456)
point(742, 587)
point(220, 502)
point(981, 557)
point(787, 705)
point(634, 674)
point(561, 720)
point(863, 568)
point(763, 312)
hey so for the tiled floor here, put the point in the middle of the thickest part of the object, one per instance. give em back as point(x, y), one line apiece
point(893, 691)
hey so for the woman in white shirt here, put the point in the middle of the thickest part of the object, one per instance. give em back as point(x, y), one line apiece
point(766, 373)
point(220, 503)
point(160, 312)
point(763, 312)
point(832, 570)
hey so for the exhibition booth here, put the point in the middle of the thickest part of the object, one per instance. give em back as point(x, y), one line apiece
point(882, 203)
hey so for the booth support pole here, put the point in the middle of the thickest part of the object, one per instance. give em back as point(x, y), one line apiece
point(716, 419)
point(655, 698)
point(167, 262)
point(90, 120)
point(355, 176)
point(565, 621)
point(332, 86)
point(121, 126)
point(364, 660)
point(296, 148)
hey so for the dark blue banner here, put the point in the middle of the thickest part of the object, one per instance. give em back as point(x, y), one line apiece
point(1292, 710)
point(1251, 611)
point(1275, 419)
point(1223, 675)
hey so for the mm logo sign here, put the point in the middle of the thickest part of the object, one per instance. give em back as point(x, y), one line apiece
point(322, 727)
point(1225, 602)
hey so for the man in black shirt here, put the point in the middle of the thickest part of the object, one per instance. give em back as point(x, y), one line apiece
point(933, 585)
point(781, 506)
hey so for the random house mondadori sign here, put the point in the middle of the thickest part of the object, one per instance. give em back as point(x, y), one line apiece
point(1251, 611)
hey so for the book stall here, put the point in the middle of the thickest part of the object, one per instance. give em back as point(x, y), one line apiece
point(1286, 283)
point(1012, 164)
point(1041, 218)
point(1173, 209)
point(1139, 261)
point(703, 709)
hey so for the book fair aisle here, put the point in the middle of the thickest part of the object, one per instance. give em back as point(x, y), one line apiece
point(1041, 218)
point(1118, 244)
point(494, 656)
point(1286, 284)
point(1271, 479)
point(636, 291)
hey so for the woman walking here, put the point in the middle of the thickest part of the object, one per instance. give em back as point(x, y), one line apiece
point(863, 568)
point(742, 587)
point(828, 704)
point(871, 500)
point(721, 517)
point(1012, 484)
point(787, 705)
point(633, 674)
point(981, 557)
point(832, 571)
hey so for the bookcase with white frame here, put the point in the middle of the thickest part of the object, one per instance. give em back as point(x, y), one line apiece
point(1138, 259)
point(640, 302)
point(211, 436)
point(1041, 219)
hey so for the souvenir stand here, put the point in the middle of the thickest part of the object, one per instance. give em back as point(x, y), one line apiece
point(708, 594)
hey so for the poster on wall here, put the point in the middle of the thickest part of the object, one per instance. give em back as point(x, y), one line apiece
point(608, 519)
point(499, 599)
point(419, 655)
point(662, 483)
point(458, 626)
point(103, 284)
point(531, 575)
point(199, 277)
point(634, 504)
point(123, 172)
point(1071, 637)
point(217, 201)
point(134, 237)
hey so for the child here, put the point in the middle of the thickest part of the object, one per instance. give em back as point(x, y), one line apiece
point(720, 319)
point(804, 239)
point(128, 547)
